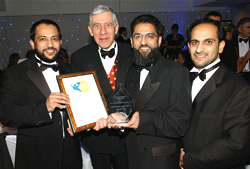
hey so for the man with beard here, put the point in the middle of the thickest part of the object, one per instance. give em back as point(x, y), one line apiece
point(31, 102)
point(218, 137)
point(161, 90)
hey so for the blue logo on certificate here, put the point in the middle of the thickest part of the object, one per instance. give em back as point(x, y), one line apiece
point(81, 86)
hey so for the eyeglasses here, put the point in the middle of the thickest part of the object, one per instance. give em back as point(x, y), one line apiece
point(148, 36)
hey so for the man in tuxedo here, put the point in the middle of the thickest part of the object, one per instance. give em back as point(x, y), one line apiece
point(229, 56)
point(110, 60)
point(242, 43)
point(218, 137)
point(122, 37)
point(30, 101)
point(161, 91)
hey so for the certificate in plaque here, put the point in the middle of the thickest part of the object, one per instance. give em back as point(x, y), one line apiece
point(87, 102)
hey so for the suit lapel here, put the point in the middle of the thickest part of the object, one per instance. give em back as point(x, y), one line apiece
point(249, 42)
point(95, 64)
point(210, 86)
point(38, 79)
point(147, 91)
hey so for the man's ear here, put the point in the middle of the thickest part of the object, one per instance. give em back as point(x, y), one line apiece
point(90, 31)
point(239, 29)
point(116, 29)
point(131, 42)
point(32, 44)
point(188, 45)
point(221, 46)
point(159, 41)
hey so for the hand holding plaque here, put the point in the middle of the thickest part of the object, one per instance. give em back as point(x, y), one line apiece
point(120, 105)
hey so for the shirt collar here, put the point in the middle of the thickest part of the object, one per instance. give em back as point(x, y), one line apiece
point(112, 46)
point(44, 62)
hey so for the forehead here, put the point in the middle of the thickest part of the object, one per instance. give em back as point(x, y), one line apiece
point(46, 30)
point(204, 31)
point(144, 28)
point(102, 17)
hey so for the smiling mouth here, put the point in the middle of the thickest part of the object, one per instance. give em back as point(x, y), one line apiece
point(144, 48)
point(200, 55)
point(50, 51)
point(103, 39)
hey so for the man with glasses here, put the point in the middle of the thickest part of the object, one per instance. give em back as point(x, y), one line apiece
point(161, 89)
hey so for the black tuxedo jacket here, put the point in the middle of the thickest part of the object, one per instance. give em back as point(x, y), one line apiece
point(40, 142)
point(219, 134)
point(164, 105)
point(230, 55)
point(88, 59)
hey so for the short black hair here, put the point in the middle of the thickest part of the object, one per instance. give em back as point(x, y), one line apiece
point(43, 21)
point(146, 18)
point(175, 26)
point(220, 31)
point(122, 29)
point(243, 21)
point(213, 13)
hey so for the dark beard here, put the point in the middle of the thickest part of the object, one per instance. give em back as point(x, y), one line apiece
point(142, 61)
point(44, 58)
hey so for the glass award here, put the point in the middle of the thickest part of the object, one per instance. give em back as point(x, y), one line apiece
point(120, 105)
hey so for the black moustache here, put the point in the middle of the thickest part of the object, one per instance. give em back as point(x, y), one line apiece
point(49, 49)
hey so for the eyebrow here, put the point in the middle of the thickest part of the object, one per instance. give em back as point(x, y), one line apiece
point(44, 36)
point(204, 39)
point(98, 23)
point(137, 33)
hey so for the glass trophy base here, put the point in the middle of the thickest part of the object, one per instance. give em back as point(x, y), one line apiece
point(121, 123)
point(120, 118)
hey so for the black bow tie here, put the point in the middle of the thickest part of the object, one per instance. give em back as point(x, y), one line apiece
point(109, 53)
point(202, 74)
point(244, 40)
point(45, 66)
point(140, 68)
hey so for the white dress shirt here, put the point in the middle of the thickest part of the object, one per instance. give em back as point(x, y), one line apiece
point(143, 76)
point(243, 48)
point(108, 62)
point(198, 83)
point(50, 77)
